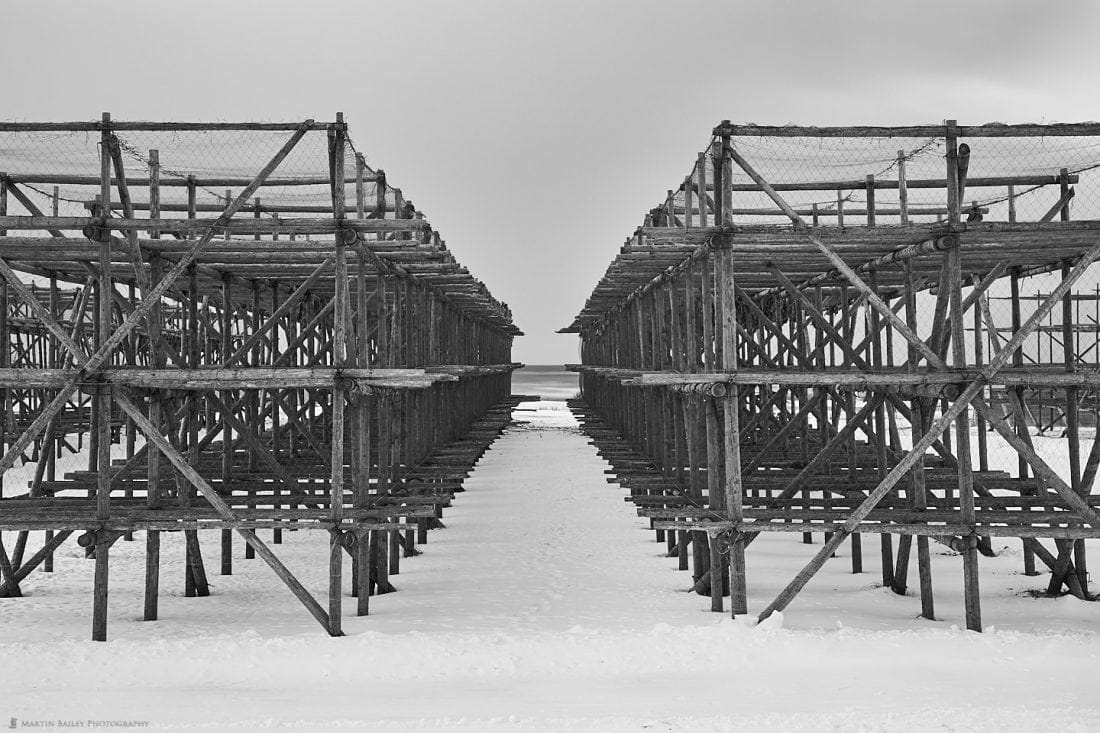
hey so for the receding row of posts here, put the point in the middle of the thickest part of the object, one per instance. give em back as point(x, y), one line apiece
point(761, 378)
point(345, 374)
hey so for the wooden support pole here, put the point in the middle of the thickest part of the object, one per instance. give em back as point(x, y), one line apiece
point(152, 537)
point(953, 268)
point(340, 360)
point(103, 401)
point(227, 433)
point(734, 488)
point(1019, 420)
point(903, 189)
point(1073, 440)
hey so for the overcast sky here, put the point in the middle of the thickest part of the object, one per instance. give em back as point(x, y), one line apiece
point(534, 135)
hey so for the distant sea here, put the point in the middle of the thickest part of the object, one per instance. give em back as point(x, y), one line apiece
point(549, 381)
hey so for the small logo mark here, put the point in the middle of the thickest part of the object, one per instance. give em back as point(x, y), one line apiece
point(13, 723)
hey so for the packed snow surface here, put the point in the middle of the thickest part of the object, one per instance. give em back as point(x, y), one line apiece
point(547, 605)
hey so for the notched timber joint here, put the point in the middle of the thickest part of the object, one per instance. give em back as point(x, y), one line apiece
point(98, 232)
point(346, 538)
point(964, 543)
point(349, 236)
point(722, 532)
point(95, 384)
point(357, 393)
point(152, 394)
point(722, 237)
point(97, 537)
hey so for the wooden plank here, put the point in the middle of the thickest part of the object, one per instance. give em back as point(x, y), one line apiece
point(1086, 129)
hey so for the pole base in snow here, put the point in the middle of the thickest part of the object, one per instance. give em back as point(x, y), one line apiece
point(702, 585)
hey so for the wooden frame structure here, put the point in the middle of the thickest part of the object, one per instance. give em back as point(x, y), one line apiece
point(834, 373)
point(272, 367)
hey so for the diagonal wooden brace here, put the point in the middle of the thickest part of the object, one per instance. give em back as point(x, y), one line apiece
point(40, 312)
point(1042, 469)
point(896, 474)
point(35, 560)
point(284, 307)
point(154, 295)
point(180, 463)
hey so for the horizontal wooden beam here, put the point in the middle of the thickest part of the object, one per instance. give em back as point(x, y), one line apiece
point(861, 184)
point(259, 377)
point(1083, 129)
point(851, 379)
point(122, 126)
point(238, 226)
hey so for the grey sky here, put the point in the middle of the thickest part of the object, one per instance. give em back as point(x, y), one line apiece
point(535, 135)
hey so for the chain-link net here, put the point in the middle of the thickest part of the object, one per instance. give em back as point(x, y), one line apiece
point(201, 171)
point(844, 168)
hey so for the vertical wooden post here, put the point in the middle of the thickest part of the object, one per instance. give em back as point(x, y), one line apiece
point(361, 496)
point(195, 583)
point(6, 570)
point(152, 498)
point(717, 170)
point(103, 397)
point(689, 203)
point(340, 360)
point(734, 490)
point(856, 541)
point(919, 495)
point(93, 403)
point(903, 190)
point(52, 441)
point(715, 495)
point(1019, 417)
point(979, 361)
point(254, 401)
point(870, 187)
point(953, 266)
point(378, 564)
point(227, 431)
point(1063, 184)
point(273, 398)
point(1073, 437)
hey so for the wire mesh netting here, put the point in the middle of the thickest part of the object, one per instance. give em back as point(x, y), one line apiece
point(827, 178)
point(212, 166)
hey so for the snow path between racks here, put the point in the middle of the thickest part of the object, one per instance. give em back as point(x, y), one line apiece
point(545, 605)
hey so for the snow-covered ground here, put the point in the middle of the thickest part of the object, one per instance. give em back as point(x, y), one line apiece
point(546, 605)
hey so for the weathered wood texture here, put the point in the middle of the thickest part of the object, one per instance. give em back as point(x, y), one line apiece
point(268, 366)
point(791, 340)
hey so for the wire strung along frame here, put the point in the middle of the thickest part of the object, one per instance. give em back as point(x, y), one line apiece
point(852, 331)
point(239, 327)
